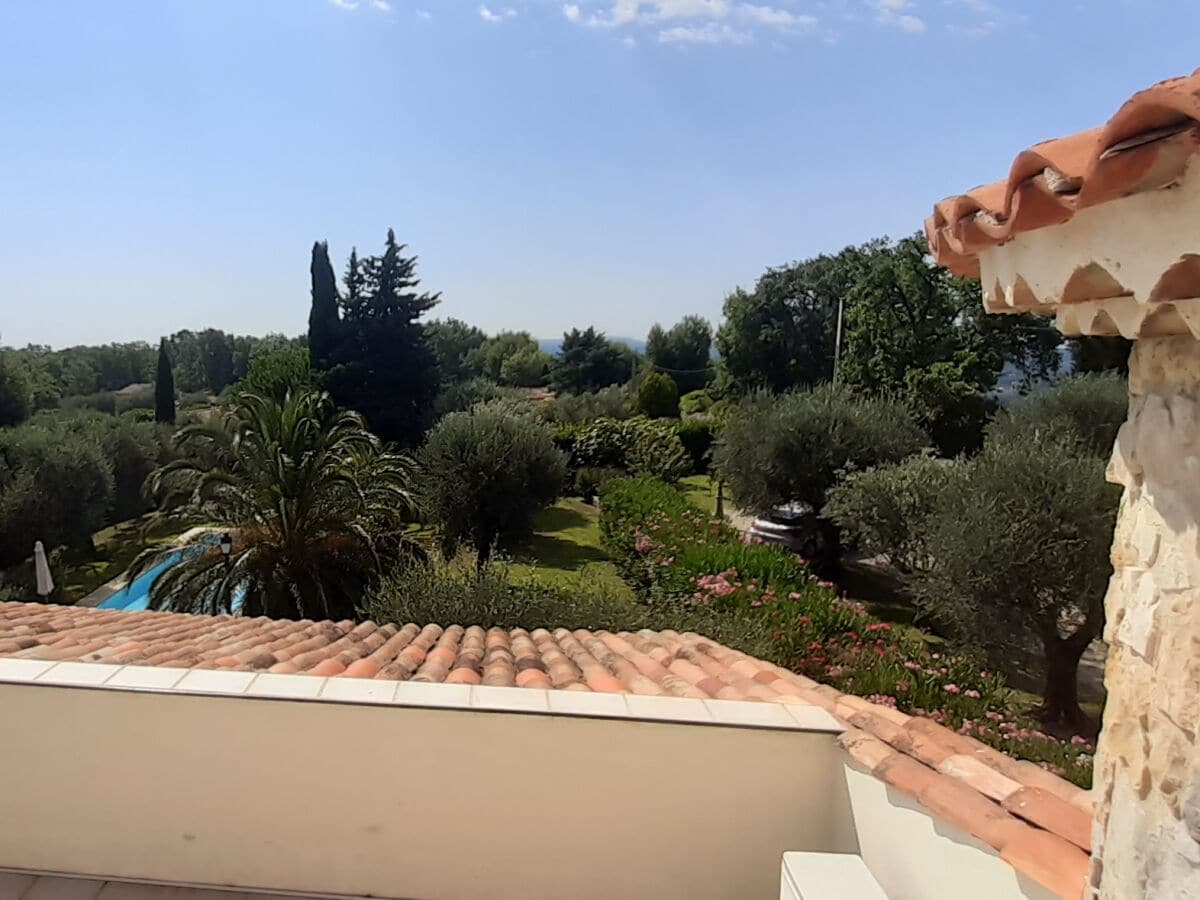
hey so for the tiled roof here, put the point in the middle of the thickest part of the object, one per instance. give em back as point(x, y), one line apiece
point(1039, 823)
point(1146, 145)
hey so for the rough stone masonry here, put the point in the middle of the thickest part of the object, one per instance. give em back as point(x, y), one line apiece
point(1148, 763)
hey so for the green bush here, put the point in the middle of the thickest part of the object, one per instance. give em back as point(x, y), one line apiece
point(695, 403)
point(588, 481)
point(658, 396)
point(104, 402)
point(274, 373)
point(448, 596)
point(698, 437)
point(886, 509)
point(655, 449)
point(486, 472)
point(56, 486)
point(138, 398)
point(641, 446)
point(777, 449)
point(1086, 410)
point(578, 409)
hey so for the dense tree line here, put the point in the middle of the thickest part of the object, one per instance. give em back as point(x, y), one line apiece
point(36, 377)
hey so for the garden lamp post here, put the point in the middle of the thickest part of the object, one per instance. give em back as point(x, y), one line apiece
point(226, 544)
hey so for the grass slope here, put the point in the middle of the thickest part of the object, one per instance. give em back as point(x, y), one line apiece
point(565, 550)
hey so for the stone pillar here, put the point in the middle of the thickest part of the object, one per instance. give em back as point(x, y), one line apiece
point(1147, 789)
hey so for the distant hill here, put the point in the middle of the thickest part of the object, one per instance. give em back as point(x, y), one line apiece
point(553, 346)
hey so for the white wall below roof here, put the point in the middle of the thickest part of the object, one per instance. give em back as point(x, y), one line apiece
point(1135, 240)
point(916, 856)
point(406, 801)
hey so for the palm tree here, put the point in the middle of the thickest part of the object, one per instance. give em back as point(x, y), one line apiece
point(315, 509)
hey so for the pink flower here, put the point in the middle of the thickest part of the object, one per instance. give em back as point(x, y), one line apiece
point(973, 694)
point(1079, 741)
point(951, 688)
point(911, 666)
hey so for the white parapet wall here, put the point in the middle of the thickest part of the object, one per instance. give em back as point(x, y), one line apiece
point(408, 801)
point(914, 855)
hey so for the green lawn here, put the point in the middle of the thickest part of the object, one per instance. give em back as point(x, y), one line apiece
point(565, 550)
point(80, 573)
point(701, 492)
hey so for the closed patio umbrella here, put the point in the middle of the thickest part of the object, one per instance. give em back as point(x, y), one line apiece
point(41, 569)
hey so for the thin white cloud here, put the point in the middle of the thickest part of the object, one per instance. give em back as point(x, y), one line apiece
point(979, 18)
point(345, 4)
point(703, 21)
point(709, 33)
point(494, 17)
point(424, 14)
point(769, 15)
point(627, 12)
point(629, 41)
point(382, 5)
point(888, 12)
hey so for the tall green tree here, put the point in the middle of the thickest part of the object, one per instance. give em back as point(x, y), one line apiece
point(216, 357)
point(16, 395)
point(781, 335)
point(684, 352)
point(164, 387)
point(316, 508)
point(589, 361)
point(323, 321)
point(528, 367)
point(904, 312)
point(489, 357)
point(454, 342)
point(383, 365)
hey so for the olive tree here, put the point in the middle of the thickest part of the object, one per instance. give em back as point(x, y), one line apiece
point(792, 447)
point(486, 473)
point(1017, 551)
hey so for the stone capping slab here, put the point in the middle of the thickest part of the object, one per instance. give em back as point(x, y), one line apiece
point(376, 692)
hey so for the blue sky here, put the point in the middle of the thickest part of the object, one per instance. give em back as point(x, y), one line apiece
point(168, 164)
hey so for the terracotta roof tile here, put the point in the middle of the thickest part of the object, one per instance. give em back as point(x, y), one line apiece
point(1037, 822)
point(1147, 144)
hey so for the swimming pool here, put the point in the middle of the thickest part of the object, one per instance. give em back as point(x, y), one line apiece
point(136, 594)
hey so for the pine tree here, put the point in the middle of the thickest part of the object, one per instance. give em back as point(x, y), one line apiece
point(323, 319)
point(385, 367)
point(354, 281)
point(164, 387)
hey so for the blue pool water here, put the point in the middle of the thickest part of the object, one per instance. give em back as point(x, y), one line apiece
point(136, 594)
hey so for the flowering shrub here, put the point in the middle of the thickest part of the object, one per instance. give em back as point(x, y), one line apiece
point(673, 554)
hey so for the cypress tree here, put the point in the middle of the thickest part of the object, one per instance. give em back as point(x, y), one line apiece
point(164, 387)
point(384, 366)
point(323, 318)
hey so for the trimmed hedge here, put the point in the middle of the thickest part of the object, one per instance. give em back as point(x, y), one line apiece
point(698, 437)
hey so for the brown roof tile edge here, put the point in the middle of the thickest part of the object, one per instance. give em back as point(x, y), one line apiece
point(1147, 144)
point(1040, 835)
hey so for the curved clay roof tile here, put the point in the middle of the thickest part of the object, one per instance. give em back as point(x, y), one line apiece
point(1146, 145)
